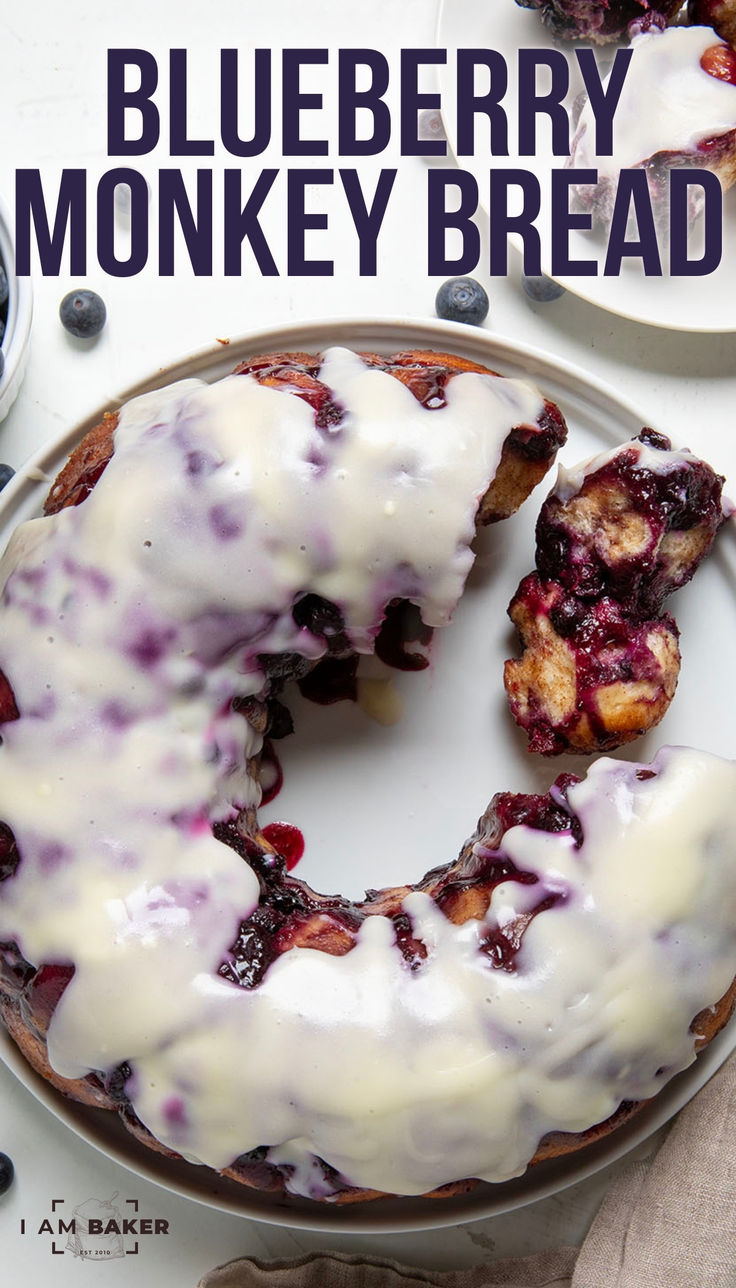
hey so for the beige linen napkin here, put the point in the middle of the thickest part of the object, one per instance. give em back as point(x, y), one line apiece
point(669, 1222)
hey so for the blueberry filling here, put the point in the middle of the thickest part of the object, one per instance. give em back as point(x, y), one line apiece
point(601, 20)
point(601, 655)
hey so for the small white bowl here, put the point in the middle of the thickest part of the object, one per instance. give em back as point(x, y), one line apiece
point(18, 325)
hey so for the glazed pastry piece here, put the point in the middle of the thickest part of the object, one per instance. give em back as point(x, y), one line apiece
point(718, 14)
point(513, 1006)
point(526, 452)
point(615, 538)
point(202, 545)
point(677, 108)
point(601, 21)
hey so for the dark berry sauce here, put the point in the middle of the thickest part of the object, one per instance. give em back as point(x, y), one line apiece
point(332, 680)
point(403, 625)
point(287, 840)
point(9, 856)
point(8, 707)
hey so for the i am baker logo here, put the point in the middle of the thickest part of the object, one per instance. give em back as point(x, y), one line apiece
point(96, 1230)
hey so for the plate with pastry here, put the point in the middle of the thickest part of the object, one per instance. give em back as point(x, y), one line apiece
point(295, 918)
point(649, 230)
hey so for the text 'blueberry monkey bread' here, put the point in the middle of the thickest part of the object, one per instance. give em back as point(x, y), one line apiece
point(201, 545)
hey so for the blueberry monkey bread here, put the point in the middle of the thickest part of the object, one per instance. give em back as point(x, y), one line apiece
point(676, 112)
point(159, 960)
point(601, 21)
point(615, 538)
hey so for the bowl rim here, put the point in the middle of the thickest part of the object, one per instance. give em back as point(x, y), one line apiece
point(20, 314)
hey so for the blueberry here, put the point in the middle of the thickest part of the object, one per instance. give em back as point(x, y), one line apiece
point(83, 313)
point(3, 285)
point(462, 299)
point(2, 362)
point(6, 474)
point(7, 1172)
point(542, 289)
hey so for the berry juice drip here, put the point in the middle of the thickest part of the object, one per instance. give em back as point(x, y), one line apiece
point(287, 840)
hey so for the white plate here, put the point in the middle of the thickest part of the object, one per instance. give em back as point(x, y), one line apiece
point(679, 303)
point(424, 782)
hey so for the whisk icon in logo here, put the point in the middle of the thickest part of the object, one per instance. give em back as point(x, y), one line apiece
point(96, 1232)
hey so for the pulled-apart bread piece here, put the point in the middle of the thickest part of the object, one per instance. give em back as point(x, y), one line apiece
point(617, 535)
point(601, 21)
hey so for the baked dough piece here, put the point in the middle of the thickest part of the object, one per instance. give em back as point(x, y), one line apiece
point(614, 539)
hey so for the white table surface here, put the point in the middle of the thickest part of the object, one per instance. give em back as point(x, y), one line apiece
point(53, 112)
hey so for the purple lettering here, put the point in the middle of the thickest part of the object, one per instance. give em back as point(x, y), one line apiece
point(173, 204)
point(350, 99)
point(564, 220)
point(300, 220)
point(367, 221)
point(294, 102)
point(502, 223)
point(119, 99)
point(469, 103)
point(533, 104)
point(412, 102)
point(440, 219)
point(71, 216)
point(259, 140)
point(241, 222)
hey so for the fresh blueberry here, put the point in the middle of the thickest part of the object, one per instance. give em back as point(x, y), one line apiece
point(7, 1172)
point(542, 289)
point(83, 313)
point(6, 474)
point(2, 362)
point(462, 299)
point(3, 285)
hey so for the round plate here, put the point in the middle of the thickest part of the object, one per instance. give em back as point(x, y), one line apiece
point(400, 800)
point(705, 304)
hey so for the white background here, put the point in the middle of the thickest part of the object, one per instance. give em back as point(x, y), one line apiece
point(52, 96)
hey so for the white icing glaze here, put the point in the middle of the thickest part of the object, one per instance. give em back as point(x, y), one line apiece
point(129, 622)
point(570, 479)
point(668, 102)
